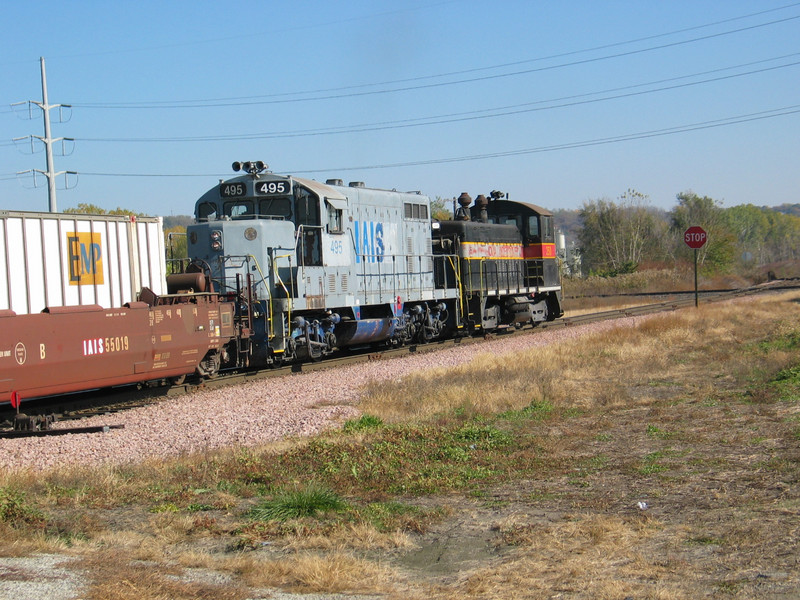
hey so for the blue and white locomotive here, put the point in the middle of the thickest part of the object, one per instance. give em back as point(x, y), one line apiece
point(317, 267)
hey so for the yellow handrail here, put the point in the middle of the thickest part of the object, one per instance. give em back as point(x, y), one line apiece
point(283, 285)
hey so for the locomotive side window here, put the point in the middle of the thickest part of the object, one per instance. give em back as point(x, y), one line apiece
point(306, 207)
point(513, 221)
point(307, 215)
point(547, 228)
point(207, 211)
point(415, 211)
point(334, 220)
point(533, 228)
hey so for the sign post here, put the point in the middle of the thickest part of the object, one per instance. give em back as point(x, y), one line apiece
point(695, 237)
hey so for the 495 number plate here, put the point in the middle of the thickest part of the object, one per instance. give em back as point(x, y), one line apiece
point(273, 188)
point(232, 190)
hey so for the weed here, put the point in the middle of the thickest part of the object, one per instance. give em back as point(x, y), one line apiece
point(655, 432)
point(302, 502)
point(396, 516)
point(365, 422)
point(704, 540)
point(650, 464)
point(790, 341)
point(484, 437)
point(15, 510)
point(536, 411)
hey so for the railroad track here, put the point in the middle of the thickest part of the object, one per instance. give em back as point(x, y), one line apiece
point(40, 413)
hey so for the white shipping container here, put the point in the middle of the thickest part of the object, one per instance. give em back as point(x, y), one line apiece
point(52, 259)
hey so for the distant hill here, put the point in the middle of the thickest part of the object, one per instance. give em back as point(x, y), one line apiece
point(568, 222)
point(787, 209)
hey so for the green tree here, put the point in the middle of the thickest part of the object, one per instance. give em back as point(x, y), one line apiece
point(719, 252)
point(782, 236)
point(616, 236)
point(751, 226)
point(92, 209)
point(441, 209)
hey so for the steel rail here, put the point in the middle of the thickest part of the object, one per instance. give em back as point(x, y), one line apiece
point(105, 401)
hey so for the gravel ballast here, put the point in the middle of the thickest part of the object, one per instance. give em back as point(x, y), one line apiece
point(254, 413)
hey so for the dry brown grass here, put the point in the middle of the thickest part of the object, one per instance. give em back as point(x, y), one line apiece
point(304, 572)
point(354, 536)
point(115, 576)
point(485, 386)
point(676, 411)
point(570, 557)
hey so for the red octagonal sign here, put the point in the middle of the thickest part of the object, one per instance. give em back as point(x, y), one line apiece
point(695, 237)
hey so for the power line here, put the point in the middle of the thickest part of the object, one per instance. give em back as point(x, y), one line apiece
point(539, 105)
point(724, 122)
point(789, 110)
point(263, 99)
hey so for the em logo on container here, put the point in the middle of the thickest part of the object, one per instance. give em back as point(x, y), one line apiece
point(85, 258)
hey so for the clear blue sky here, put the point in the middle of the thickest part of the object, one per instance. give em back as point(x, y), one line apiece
point(555, 103)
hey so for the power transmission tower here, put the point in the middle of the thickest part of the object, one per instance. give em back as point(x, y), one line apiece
point(50, 173)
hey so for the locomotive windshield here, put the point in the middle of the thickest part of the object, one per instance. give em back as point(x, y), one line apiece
point(269, 208)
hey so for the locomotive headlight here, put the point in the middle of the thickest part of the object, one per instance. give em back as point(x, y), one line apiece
point(216, 240)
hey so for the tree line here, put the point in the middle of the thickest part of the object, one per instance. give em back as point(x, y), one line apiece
point(619, 236)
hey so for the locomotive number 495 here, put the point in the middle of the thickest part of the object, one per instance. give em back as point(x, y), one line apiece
point(232, 190)
point(272, 187)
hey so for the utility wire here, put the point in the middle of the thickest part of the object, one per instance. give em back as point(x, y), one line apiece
point(539, 105)
point(724, 122)
point(789, 110)
point(325, 95)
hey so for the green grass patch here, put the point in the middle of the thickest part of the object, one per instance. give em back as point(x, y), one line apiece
point(650, 464)
point(402, 459)
point(364, 423)
point(535, 411)
point(786, 384)
point(307, 501)
point(656, 432)
point(784, 343)
point(16, 512)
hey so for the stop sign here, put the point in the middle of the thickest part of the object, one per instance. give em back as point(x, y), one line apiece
point(695, 237)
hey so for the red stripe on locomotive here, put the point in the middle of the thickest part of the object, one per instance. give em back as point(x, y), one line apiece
point(539, 251)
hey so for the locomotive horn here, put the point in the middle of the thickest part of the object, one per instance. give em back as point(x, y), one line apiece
point(237, 166)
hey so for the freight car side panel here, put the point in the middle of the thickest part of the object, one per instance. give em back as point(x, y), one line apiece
point(76, 260)
point(79, 348)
